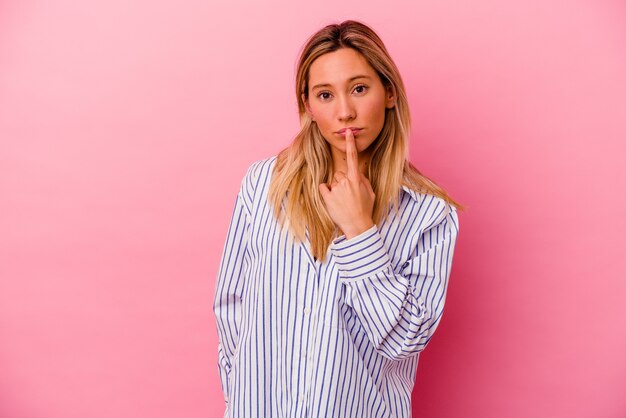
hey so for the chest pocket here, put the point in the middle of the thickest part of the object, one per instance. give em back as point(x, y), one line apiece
point(332, 317)
point(334, 310)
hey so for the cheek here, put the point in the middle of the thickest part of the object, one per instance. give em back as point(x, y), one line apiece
point(374, 111)
point(323, 120)
point(325, 125)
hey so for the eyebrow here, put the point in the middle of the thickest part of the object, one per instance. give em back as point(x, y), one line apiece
point(350, 79)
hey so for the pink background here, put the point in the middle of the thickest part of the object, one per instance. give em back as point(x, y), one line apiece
point(125, 130)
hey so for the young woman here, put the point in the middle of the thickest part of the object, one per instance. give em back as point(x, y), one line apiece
point(334, 273)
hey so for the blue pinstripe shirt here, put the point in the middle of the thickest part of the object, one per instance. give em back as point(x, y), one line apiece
point(300, 338)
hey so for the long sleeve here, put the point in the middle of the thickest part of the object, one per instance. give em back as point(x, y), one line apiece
point(231, 282)
point(399, 310)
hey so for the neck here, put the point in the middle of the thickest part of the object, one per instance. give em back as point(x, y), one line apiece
point(340, 163)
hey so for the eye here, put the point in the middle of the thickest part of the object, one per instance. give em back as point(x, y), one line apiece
point(360, 86)
point(320, 94)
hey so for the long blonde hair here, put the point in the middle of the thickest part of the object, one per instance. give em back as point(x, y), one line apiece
point(307, 161)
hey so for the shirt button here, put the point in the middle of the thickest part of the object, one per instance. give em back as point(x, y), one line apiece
point(307, 310)
point(301, 398)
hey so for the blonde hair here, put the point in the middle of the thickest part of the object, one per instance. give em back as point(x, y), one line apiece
point(307, 161)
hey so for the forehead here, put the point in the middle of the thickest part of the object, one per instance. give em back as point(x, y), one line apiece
point(338, 66)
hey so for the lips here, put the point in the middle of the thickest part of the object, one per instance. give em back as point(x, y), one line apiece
point(354, 130)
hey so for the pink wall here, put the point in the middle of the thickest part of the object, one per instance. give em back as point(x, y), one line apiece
point(125, 129)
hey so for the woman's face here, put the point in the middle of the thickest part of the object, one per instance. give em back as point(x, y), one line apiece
point(345, 91)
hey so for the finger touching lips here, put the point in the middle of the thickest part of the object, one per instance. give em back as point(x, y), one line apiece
point(351, 156)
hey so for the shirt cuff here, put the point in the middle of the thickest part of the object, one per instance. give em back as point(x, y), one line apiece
point(361, 256)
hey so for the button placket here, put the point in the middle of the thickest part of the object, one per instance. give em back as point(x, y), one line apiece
point(310, 312)
point(312, 318)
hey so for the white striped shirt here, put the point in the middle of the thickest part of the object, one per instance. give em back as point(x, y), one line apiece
point(300, 338)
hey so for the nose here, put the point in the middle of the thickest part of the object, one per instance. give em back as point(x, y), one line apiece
point(346, 109)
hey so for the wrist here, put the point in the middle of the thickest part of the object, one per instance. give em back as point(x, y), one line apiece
point(359, 228)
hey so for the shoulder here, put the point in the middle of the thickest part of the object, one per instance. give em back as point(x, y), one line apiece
point(432, 210)
point(256, 176)
point(260, 167)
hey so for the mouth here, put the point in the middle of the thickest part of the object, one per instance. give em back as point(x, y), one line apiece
point(355, 131)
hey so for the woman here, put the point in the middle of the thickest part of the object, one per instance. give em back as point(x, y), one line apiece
point(335, 269)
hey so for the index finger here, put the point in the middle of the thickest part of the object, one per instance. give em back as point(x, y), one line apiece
point(352, 157)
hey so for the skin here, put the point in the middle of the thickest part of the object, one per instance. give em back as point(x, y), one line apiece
point(343, 103)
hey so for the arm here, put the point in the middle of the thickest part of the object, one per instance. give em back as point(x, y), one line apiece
point(399, 310)
point(230, 282)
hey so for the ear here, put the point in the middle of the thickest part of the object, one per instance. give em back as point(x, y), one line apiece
point(307, 107)
point(390, 100)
